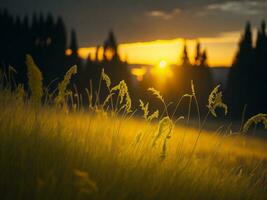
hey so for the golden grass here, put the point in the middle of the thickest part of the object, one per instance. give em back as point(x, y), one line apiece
point(41, 151)
point(105, 153)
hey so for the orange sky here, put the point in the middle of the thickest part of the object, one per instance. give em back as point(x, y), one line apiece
point(221, 50)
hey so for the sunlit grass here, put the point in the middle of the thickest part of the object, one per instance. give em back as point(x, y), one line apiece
point(59, 150)
point(40, 151)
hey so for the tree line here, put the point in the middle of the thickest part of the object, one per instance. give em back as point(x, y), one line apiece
point(45, 38)
point(247, 80)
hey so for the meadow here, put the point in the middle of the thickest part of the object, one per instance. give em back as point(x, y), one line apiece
point(51, 149)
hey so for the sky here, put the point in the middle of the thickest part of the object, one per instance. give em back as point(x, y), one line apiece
point(150, 21)
point(220, 49)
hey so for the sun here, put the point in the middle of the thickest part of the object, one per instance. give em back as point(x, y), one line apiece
point(161, 72)
point(162, 64)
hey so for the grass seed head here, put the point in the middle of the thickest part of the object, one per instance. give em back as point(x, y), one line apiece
point(154, 115)
point(128, 104)
point(106, 78)
point(215, 101)
point(62, 86)
point(259, 118)
point(164, 127)
point(20, 93)
point(122, 88)
point(35, 80)
point(123, 93)
point(144, 108)
point(156, 93)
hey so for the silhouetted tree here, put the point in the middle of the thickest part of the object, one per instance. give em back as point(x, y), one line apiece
point(185, 58)
point(60, 36)
point(247, 77)
point(73, 43)
point(74, 58)
point(110, 47)
point(197, 53)
point(43, 39)
point(244, 55)
point(260, 71)
point(187, 72)
point(97, 53)
point(203, 59)
point(59, 45)
point(260, 49)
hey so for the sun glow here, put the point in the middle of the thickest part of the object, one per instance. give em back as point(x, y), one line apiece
point(220, 49)
point(162, 72)
point(162, 64)
point(139, 73)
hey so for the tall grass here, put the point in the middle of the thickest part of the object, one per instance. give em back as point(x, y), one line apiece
point(35, 78)
point(104, 153)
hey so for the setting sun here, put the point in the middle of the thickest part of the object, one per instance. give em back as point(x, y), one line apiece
point(150, 52)
point(161, 72)
point(162, 64)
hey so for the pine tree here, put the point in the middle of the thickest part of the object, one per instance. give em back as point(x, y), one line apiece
point(110, 47)
point(197, 53)
point(73, 43)
point(263, 30)
point(244, 55)
point(185, 58)
point(260, 69)
point(49, 30)
point(60, 37)
point(203, 59)
point(243, 76)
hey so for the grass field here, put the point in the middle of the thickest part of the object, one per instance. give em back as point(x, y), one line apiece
point(46, 153)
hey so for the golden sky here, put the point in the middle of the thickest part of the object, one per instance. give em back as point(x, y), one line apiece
point(221, 50)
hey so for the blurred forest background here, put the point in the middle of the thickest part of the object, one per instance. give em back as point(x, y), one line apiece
point(45, 37)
